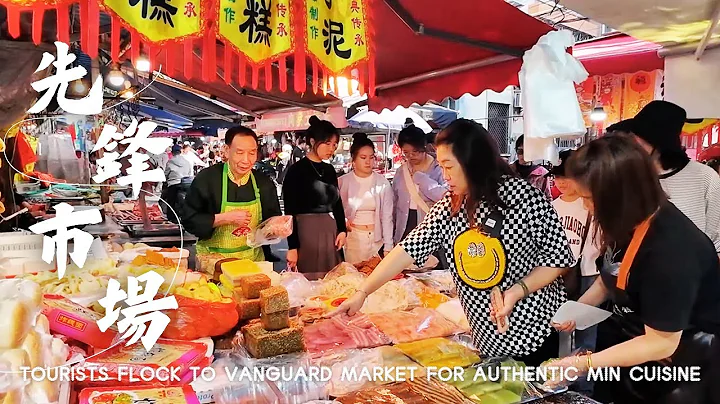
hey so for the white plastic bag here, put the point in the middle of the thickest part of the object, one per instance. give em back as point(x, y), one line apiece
point(550, 105)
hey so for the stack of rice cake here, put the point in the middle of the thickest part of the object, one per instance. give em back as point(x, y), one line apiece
point(248, 295)
point(274, 334)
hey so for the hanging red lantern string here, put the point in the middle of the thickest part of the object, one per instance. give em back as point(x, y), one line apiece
point(63, 24)
point(283, 73)
point(227, 63)
point(171, 50)
point(268, 76)
point(371, 49)
point(83, 11)
point(209, 60)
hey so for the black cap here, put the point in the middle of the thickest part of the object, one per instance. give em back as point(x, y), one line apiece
point(659, 123)
point(559, 170)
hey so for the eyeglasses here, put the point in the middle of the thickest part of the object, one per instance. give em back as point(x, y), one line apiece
point(414, 153)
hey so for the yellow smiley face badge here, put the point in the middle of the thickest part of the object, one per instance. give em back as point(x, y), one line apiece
point(479, 259)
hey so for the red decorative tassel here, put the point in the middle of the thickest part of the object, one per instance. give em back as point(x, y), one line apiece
point(299, 68)
point(83, 11)
point(134, 47)
point(316, 82)
point(349, 85)
point(37, 22)
point(242, 71)
point(255, 77)
point(227, 69)
point(282, 74)
point(93, 28)
point(325, 82)
point(361, 81)
point(170, 55)
point(209, 55)
point(268, 76)
point(13, 16)
point(151, 57)
point(371, 78)
point(63, 24)
point(188, 58)
point(115, 39)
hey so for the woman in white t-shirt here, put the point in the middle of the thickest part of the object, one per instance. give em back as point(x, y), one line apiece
point(368, 202)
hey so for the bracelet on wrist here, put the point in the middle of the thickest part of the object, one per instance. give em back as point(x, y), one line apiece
point(526, 291)
point(589, 360)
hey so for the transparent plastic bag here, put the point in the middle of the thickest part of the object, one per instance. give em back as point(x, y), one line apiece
point(574, 365)
point(354, 363)
point(300, 387)
point(341, 269)
point(226, 391)
point(393, 296)
point(496, 380)
point(418, 324)
point(298, 286)
point(453, 311)
point(440, 280)
point(343, 332)
point(439, 352)
point(271, 231)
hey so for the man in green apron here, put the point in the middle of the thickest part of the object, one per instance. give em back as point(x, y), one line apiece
point(227, 201)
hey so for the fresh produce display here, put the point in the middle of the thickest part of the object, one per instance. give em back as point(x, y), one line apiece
point(343, 332)
point(417, 324)
point(439, 352)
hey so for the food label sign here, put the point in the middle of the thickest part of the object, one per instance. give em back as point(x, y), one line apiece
point(159, 20)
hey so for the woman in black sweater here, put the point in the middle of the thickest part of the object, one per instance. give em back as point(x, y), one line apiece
point(312, 197)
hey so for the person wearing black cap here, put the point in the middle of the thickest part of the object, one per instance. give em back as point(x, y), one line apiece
point(535, 174)
point(691, 186)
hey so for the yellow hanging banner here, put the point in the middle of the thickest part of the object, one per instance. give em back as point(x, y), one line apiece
point(259, 29)
point(158, 21)
point(337, 33)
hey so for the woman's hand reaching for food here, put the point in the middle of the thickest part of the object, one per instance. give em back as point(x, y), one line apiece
point(350, 306)
point(568, 326)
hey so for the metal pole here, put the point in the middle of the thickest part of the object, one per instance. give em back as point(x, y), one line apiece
point(444, 72)
point(715, 17)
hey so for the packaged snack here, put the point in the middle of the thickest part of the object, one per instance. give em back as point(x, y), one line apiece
point(417, 324)
point(20, 303)
point(206, 262)
point(275, 321)
point(248, 308)
point(129, 395)
point(253, 284)
point(298, 286)
point(235, 270)
point(341, 269)
point(274, 300)
point(196, 318)
point(343, 332)
point(271, 231)
point(439, 352)
point(479, 389)
point(77, 322)
point(261, 343)
point(309, 315)
point(165, 353)
point(453, 311)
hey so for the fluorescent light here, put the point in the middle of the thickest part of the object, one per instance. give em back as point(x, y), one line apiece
point(598, 114)
point(142, 64)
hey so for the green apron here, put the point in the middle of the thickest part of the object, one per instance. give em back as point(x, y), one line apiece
point(223, 241)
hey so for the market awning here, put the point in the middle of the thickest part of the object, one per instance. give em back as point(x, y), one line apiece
point(165, 118)
point(618, 54)
point(388, 120)
point(466, 47)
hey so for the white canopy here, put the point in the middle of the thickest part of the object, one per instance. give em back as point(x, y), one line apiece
point(388, 120)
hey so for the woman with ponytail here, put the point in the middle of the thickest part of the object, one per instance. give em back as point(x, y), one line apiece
point(312, 197)
point(368, 201)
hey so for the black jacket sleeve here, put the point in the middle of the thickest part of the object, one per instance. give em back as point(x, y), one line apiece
point(198, 212)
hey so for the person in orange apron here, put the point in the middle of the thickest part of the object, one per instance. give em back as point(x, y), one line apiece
point(227, 201)
point(661, 276)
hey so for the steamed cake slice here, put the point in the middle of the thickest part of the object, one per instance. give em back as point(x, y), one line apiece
point(235, 270)
point(14, 323)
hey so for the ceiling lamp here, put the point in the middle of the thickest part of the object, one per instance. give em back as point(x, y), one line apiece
point(116, 78)
point(127, 94)
point(78, 87)
point(598, 114)
point(142, 64)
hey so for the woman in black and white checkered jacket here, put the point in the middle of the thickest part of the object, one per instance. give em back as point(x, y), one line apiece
point(499, 232)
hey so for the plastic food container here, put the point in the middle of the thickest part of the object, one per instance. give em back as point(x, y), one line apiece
point(75, 321)
point(164, 395)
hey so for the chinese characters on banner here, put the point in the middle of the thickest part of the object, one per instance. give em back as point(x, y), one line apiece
point(159, 20)
point(337, 34)
point(143, 320)
point(261, 30)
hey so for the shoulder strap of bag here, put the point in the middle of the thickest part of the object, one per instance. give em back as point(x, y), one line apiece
point(638, 236)
point(586, 231)
point(413, 190)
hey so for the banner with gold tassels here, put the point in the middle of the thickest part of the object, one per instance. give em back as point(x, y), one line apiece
point(259, 33)
point(338, 38)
